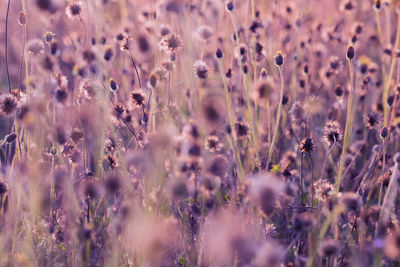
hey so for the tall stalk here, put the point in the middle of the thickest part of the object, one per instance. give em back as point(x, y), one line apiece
point(389, 78)
point(6, 46)
point(230, 113)
point(349, 118)
point(278, 118)
point(250, 111)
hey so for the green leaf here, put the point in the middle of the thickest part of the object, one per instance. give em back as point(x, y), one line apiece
point(182, 260)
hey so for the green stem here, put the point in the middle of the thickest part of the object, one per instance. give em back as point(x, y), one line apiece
point(348, 128)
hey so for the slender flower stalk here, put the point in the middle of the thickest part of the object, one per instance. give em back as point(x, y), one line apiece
point(349, 117)
point(136, 69)
point(250, 111)
point(326, 158)
point(6, 46)
point(388, 81)
point(230, 108)
point(279, 63)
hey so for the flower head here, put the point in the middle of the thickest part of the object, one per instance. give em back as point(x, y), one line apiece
point(8, 105)
point(200, 69)
point(172, 42)
point(35, 47)
point(73, 9)
point(332, 132)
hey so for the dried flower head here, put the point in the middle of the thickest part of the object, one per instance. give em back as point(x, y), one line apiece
point(8, 105)
point(124, 43)
point(73, 9)
point(332, 132)
point(204, 33)
point(172, 42)
point(241, 129)
point(306, 145)
point(200, 69)
point(213, 144)
point(372, 120)
point(35, 47)
point(137, 98)
point(118, 110)
point(323, 189)
point(161, 73)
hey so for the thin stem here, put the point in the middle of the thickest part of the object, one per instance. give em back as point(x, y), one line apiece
point(169, 98)
point(312, 181)
point(268, 121)
point(250, 111)
point(348, 128)
point(301, 179)
point(278, 119)
point(136, 69)
point(6, 46)
point(230, 113)
point(326, 158)
point(84, 29)
point(391, 71)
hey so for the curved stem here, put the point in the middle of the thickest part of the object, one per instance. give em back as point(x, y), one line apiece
point(136, 69)
point(326, 158)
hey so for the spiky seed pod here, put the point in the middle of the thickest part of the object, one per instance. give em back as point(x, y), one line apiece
point(306, 145)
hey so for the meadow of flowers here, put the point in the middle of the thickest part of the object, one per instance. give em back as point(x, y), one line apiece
point(199, 133)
